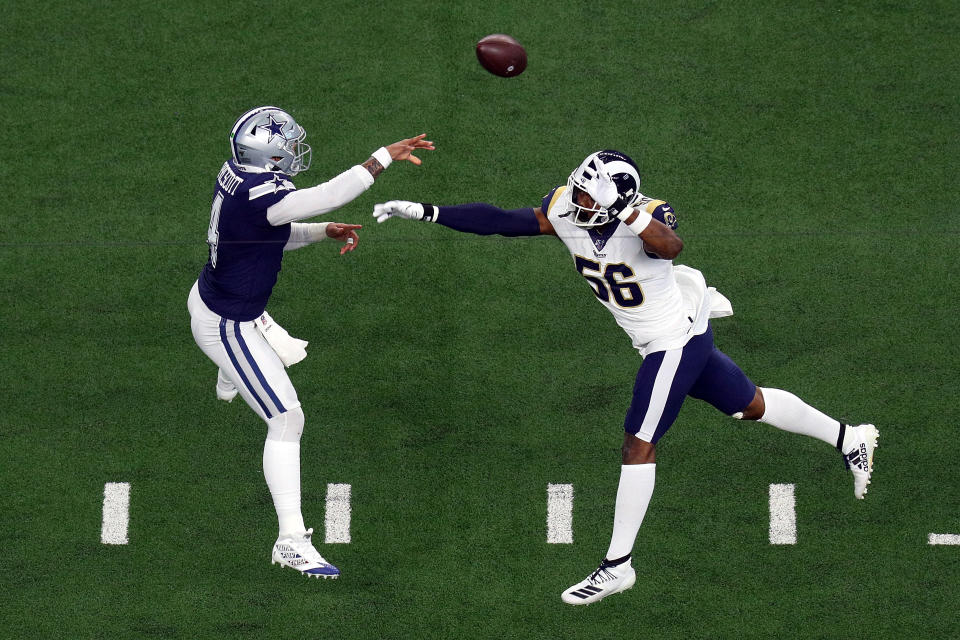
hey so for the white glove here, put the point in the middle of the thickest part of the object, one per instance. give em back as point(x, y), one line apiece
point(398, 208)
point(601, 186)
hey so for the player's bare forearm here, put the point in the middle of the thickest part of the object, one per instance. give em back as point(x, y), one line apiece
point(546, 227)
point(660, 239)
point(373, 166)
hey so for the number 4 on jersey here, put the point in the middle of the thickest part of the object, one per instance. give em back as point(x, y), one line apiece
point(213, 233)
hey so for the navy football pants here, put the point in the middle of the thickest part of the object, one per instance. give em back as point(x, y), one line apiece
point(666, 378)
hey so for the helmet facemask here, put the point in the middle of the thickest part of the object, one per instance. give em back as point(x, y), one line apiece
point(300, 151)
point(586, 217)
point(625, 176)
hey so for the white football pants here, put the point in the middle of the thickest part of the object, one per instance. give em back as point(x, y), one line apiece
point(247, 360)
point(244, 357)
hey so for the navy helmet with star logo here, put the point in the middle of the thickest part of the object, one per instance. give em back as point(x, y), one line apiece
point(269, 138)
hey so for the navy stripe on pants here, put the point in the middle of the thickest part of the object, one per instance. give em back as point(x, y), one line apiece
point(236, 364)
point(256, 369)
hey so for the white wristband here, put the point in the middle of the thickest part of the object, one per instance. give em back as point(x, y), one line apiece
point(641, 223)
point(318, 231)
point(382, 156)
point(308, 231)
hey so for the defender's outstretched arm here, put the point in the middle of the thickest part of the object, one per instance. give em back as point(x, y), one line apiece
point(477, 217)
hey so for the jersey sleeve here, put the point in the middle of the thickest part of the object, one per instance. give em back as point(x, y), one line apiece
point(323, 198)
point(551, 198)
point(268, 189)
point(660, 210)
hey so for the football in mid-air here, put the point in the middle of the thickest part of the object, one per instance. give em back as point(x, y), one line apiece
point(502, 55)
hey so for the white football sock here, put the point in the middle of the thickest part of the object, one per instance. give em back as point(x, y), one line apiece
point(281, 469)
point(633, 497)
point(788, 412)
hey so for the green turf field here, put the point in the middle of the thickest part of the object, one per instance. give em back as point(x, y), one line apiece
point(811, 152)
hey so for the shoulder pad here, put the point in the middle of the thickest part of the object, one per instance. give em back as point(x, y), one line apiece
point(551, 198)
point(271, 184)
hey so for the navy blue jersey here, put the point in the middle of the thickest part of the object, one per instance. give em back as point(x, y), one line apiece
point(245, 249)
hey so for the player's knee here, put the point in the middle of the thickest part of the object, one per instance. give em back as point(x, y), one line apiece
point(754, 410)
point(637, 451)
point(296, 421)
point(286, 427)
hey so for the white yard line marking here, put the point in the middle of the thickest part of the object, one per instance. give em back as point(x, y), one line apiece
point(560, 513)
point(783, 515)
point(116, 513)
point(337, 523)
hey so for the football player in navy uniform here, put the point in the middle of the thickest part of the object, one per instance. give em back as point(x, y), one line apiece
point(255, 219)
point(623, 243)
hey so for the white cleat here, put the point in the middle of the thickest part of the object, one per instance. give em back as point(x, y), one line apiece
point(860, 458)
point(226, 390)
point(605, 581)
point(297, 552)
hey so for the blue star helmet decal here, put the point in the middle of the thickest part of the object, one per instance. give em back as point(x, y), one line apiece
point(274, 128)
point(281, 149)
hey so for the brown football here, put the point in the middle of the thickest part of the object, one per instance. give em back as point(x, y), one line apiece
point(501, 55)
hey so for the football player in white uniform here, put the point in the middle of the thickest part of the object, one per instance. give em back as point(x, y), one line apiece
point(254, 219)
point(623, 244)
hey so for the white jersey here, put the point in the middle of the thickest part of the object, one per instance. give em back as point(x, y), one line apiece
point(640, 290)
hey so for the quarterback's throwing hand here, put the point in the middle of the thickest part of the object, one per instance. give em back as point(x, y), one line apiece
point(403, 150)
point(398, 208)
point(344, 233)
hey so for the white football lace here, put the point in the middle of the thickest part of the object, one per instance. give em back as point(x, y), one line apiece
point(601, 575)
point(305, 548)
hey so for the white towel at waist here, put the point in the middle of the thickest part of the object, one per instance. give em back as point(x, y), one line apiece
point(291, 350)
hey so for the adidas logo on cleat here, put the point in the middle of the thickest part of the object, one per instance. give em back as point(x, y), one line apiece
point(587, 591)
point(857, 458)
point(860, 459)
point(607, 579)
